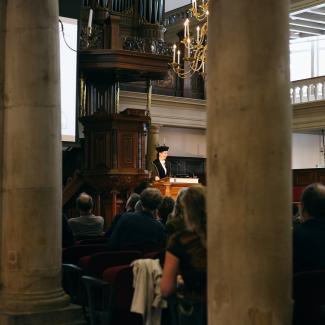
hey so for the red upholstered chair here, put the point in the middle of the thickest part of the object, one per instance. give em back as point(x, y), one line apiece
point(145, 247)
point(109, 300)
point(96, 264)
point(71, 282)
point(121, 280)
point(296, 194)
point(71, 255)
point(309, 298)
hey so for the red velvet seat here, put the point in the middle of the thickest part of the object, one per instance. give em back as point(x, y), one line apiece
point(145, 247)
point(296, 193)
point(121, 280)
point(71, 255)
point(110, 299)
point(95, 265)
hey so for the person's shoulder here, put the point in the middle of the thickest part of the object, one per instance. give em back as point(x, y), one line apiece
point(185, 237)
point(155, 162)
point(127, 217)
point(73, 220)
point(98, 218)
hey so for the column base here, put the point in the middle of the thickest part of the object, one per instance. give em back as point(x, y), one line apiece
point(71, 315)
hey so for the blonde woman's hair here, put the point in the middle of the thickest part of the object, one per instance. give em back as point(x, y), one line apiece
point(194, 204)
point(178, 211)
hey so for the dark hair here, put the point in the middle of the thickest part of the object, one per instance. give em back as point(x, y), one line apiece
point(151, 198)
point(131, 202)
point(142, 186)
point(84, 202)
point(313, 200)
point(166, 208)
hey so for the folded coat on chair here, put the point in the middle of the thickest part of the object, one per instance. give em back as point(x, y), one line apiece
point(147, 299)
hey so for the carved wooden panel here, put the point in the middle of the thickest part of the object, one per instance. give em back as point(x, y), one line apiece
point(100, 150)
point(304, 177)
point(127, 150)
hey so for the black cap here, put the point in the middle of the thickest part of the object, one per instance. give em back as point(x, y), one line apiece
point(162, 148)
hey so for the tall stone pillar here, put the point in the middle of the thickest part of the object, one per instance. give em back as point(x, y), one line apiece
point(2, 65)
point(249, 167)
point(31, 290)
point(152, 142)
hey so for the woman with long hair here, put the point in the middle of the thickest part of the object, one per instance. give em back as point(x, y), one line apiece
point(175, 221)
point(186, 257)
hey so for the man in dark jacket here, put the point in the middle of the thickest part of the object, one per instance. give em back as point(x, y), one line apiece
point(309, 236)
point(140, 227)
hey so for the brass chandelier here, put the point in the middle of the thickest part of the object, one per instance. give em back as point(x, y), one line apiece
point(194, 48)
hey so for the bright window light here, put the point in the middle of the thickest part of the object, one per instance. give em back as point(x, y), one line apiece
point(68, 71)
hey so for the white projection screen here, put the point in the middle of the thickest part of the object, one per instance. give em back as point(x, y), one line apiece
point(68, 71)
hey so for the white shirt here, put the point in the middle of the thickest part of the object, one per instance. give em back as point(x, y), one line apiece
point(163, 164)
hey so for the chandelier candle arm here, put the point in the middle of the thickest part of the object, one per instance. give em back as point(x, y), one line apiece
point(90, 18)
point(189, 47)
point(174, 53)
point(194, 4)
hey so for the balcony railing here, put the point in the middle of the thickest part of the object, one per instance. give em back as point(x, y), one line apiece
point(178, 15)
point(307, 90)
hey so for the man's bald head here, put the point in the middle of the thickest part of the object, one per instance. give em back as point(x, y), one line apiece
point(313, 200)
point(84, 203)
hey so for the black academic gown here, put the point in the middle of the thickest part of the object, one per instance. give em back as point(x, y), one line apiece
point(158, 169)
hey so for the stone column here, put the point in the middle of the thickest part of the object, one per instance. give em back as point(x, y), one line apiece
point(249, 167)
point(152, 142)
point(2, 64)
point(31, 290)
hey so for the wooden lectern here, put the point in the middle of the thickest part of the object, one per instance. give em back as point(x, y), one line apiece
point(170, 186)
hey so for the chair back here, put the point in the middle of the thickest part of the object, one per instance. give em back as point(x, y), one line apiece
point(71, 275)
point(145, 247)
point(71, 255)
point(121, 280)
point(96, 264)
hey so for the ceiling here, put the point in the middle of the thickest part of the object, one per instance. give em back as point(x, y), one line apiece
point(307, 18)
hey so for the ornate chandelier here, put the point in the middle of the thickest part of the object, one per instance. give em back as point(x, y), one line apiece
point(194, 48)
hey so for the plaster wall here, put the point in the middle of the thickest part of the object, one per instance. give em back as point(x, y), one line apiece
point(188, 142)
point(306, 151)
point(184, 142)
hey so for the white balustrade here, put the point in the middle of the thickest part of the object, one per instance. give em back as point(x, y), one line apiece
point(307, 90)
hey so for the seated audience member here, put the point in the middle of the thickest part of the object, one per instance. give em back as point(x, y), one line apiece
point(165, 209)
point(129, 207)
point(87, 225)
point(186, 256)
point(135, 228)
point(309, 235)
point(175, 221)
